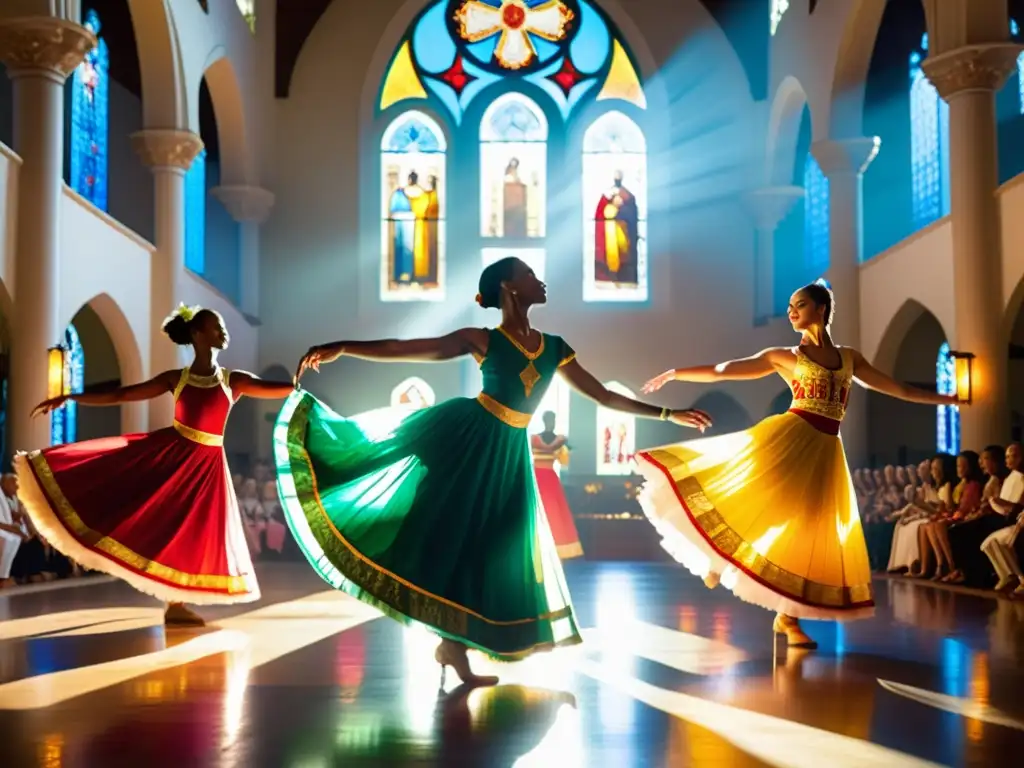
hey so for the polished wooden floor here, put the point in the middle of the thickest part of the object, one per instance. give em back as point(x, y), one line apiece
point(671, 675)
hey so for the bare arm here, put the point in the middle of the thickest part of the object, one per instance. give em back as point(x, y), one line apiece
point(870, 377)
point(147, 390)
point(462, 342)
point(764, 363)
point(587, 385)
point(245, 383)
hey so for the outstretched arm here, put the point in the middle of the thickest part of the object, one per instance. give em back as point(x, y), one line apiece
point(764, 363)
point(870, 377)
point(585, 383)
point(462, 342)
point(147, 390)
point(245, 383)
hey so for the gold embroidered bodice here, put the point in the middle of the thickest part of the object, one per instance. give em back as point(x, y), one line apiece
point(820, 391)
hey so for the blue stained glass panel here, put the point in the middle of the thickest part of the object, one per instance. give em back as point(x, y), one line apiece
point(947, 417)
point(929, 145)
point(413, 135)
point(514, 121)
point(816, 213)
point(90, 113)
point(592, 44)
point(432, 46)
point(195, 215)
point(64, 420)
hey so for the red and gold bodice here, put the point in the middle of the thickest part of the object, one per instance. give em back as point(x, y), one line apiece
point(820, 394)
point(202, 405)
point(546, 454)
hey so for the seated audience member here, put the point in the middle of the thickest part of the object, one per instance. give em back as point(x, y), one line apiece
point(966, 502)
point(34, 561)
point(999, 546)
point(11, 536)
point(254, 518)
point(933, 499)
point(275, 531)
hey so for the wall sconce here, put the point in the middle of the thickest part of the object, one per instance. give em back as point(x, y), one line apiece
point(962, 369)
point(55, 372)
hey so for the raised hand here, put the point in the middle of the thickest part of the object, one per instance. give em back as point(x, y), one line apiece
point(659, 381)
point(691, 417)
point(49, 405)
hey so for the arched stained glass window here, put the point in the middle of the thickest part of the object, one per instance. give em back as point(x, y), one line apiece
point(64, 420)
point(1017, 37)
point(413, 151)
point(455, 49)
point(614, 210)
point(513, 168)
point(195, 215)
point(90, 112)
point(816, 221)
point(929, 144)
point(616, 436)
point(948, 416)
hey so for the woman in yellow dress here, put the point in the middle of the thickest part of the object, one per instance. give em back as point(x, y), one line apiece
point(770, 512)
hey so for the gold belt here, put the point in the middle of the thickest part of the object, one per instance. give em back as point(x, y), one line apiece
point(504, 413)
point(197, 436)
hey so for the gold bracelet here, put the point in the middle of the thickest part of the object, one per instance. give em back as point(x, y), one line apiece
point(665, 413)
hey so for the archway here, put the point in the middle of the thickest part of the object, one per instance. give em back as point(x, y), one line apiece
point(101, 372)
point(899, 432)
point(727, 413)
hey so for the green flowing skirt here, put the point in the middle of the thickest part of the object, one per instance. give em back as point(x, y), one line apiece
point(431, 516)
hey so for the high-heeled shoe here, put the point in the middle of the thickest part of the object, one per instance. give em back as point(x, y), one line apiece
point(454, 656)
point(790, 627)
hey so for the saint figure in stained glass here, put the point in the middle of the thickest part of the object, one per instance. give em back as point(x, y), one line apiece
point(616, 437)
point(413, 166)
point(616, 228)
point(513, 168)
point(89, 120)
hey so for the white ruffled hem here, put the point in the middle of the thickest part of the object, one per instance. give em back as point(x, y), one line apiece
point(687, 545)
point(49, 526)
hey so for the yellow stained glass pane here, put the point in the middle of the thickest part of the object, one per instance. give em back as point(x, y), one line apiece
point(402, 81)
point(622, 81)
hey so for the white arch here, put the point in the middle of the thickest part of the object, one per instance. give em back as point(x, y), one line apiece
point(530, 133)
point(616, 436)
point(414, 392)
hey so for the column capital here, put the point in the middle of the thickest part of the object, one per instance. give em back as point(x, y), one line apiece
point(971, 68)
point(845, 156)
point(159, 148)
point(43, 45)
point(245, 203)
point(770, 205)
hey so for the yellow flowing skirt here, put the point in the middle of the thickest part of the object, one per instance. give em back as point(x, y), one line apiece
point(771, 510)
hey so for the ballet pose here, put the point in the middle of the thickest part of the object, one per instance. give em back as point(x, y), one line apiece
point(438, 522)
point(548, 448)
point(770, 512)
point(157, 510)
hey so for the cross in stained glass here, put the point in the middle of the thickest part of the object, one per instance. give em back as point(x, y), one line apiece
point(515, 21)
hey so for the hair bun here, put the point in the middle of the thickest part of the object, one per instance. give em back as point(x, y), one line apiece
point(479, 299)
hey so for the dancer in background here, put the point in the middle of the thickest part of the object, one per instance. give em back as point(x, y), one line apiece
point(157, 510)
point(549, 447)
point(771, 511)
point(438, 521)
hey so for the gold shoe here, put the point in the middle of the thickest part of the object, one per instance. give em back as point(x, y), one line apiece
point(712, 580)
point(452, 654)
point(790, 627)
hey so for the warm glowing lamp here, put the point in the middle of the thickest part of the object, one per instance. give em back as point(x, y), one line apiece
point(962, 368)
point(55, 372)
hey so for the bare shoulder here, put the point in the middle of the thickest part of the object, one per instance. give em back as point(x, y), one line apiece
point(855, 356)
point(475, 338)
point(784, 356)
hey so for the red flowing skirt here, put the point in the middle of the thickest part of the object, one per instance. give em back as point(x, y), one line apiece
point(157, 510)
point(556, 507)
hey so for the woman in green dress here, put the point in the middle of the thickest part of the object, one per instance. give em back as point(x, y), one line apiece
point(438, 522)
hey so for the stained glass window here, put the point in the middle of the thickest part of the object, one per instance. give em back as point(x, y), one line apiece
point(534, 258)
point(556, 400)
point(929, 144)
point(1015, 34)
point(413, 151)
point(90, 109)
point(614, 210)
point(948, 416)
point(64, 420)
point(816, 213)
point(616, 437)
point(195, 215)
point(455, 49)
point(513, 168)
point(413, 393)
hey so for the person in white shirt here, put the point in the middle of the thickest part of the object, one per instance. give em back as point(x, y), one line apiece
point(999, 545)
point(11, 536)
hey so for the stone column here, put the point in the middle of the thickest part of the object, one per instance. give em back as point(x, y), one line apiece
point(844, 161)
point(40, 52)
point(968, 79)
point(249, 206)
point(768, 206)
point(168, 153)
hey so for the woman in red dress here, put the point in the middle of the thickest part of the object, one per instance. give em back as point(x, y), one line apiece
point(549, 447)
point(157, 510)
